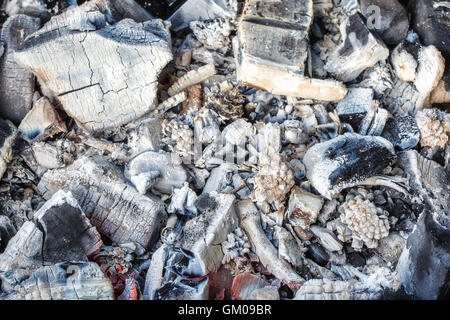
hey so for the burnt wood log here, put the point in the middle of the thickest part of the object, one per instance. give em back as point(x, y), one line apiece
point(16, 83)
point(102, 75)
point(272, 50)
point(113, 206)
point(62, 281)
point(60, 232)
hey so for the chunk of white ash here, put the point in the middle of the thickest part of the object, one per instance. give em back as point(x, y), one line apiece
point(63, 281)
point(8, 134)
point(404, 64)
point(304, 208)
point(434, 126)
point(288, 248)
point(213, 34)
point(172, 174)
point(41, 121)
point(326, 289)
point(183, 201)
point(179, 137)
point(50, 157)
point(60, 232)
point(361, 216)
point(204, 234)
point(112, 205)
point(101, 77)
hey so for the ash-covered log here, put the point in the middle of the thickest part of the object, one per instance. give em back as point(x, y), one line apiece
point(113, 206)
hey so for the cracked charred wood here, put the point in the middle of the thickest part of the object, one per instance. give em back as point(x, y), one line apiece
point(60, 232)
point(204, 234)
point(411, 97)
point(16, 83)
point(424, 265)
point(272, 47)
point(8, 134)
point(41, 121)
point(388, 18)
point(427, 179)
point(102, 75)
point(360, 49)
point(250, 221)
point(62, 281)
point(402, 131)
point(194, 10)
point(350, 160)
point(113, 206)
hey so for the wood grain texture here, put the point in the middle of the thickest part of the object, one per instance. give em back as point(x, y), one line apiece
point(113, 206)
point(102, 75)
point(16, 83)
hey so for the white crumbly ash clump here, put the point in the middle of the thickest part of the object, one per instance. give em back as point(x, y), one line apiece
point(273, 181)
point(213, 34)
point(361, 217)
point(434, 126)
point(235, 249)
point(179, 137)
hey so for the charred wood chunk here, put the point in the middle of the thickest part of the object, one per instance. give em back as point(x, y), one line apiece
point(424, 265)
point(8, 134)
point(113, 206)
point(41, 121)
point(346, 161)
point(62, 281)
point(304, 208)
point(402, 131)
point(422, 65)
point(203, 234)
point(102, 75)
point(361, 49)
point(388, 18)
point(7, 231)
point(161, 170)
point(430, 19)
point(61, 232)
point(273, 47)
point(16, 83)
point(250, 221)
point(193, 10)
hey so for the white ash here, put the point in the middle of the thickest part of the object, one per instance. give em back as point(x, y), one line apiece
point(213, 34)
point(434, 126)
point(361, 216)
point(179, 137)
point(235, 250)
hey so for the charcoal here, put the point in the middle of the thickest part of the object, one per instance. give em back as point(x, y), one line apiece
point(60, 232)
point(7, 231)
point(63, 281)
point(361, 49)
point(202, 234)
point(113, 206)
point(89, 55)
point(402, 132)
point(347, 161)
point(392, 24)
point(8, 134)
point(273, 48)
point(250, 220)
point(166, 169)
point(16, 83)
point(41, 121)
point(424, 265)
